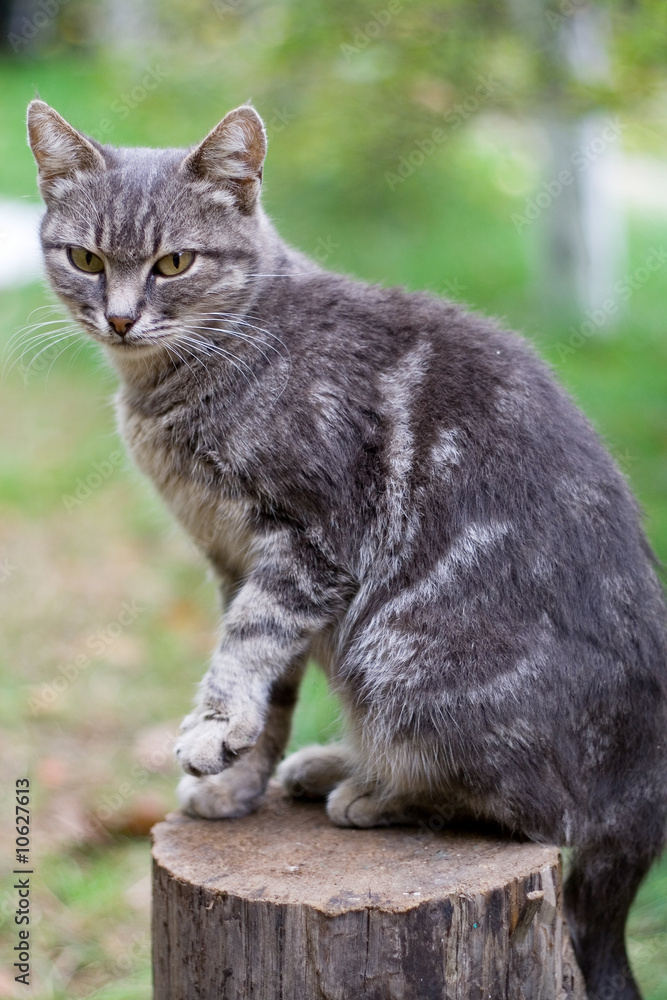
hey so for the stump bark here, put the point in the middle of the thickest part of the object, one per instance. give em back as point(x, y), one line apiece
point(281, 905)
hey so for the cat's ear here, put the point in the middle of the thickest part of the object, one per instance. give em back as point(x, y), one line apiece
point(59, 149)
point(232, 155)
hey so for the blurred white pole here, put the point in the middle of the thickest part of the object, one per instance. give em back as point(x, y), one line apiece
point(582, 231)
point(593, 215)
point(20, 250)
point(130, 24)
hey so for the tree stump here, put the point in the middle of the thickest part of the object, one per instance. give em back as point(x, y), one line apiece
point(281, 905)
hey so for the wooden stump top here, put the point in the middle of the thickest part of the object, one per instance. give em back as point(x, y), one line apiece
point(281, 905)
point(290, 853)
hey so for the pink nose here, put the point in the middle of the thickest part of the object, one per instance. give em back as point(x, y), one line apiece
point(121, 324)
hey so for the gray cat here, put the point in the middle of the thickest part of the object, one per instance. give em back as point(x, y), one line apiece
point(393, 487)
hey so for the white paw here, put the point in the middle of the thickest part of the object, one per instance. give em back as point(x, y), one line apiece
point(211, 743)
point(228, 795)
point(314, 771)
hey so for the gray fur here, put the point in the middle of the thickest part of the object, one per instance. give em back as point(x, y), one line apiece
point(395, 487)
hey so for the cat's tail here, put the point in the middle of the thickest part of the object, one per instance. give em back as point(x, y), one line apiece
point(601, 885)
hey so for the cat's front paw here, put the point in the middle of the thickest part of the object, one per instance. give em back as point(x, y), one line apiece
point(211, 742)
point(229, 795)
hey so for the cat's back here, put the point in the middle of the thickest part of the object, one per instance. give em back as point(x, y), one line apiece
point(463, 363)
point(432, 372)
point(467, 449)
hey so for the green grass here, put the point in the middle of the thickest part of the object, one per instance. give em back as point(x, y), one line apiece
point(647, 934)
point(72, 569)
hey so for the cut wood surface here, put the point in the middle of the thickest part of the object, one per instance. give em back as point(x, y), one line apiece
point(281, 905)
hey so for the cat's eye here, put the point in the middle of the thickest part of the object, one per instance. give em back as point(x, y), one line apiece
point(85, 260)
point(174, 263)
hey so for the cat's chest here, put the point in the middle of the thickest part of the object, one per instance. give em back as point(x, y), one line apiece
point(220, 522)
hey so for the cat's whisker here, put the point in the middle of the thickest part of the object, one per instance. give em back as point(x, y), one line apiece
point(236, 321)
point(252, 341)
point(48, 305)
point(20, 350)
point(240, 336)
point(45, 336)
point(242, 321)
point(32, 327)
point(34, 337)
point(237, 317)
point(172, 349)
point(172, 355)
point(212, 349)
point(62, 318)
point(42, 322)
point(208, 347)
point(67, 346)
point(54, 337)
point(81, 348)
point(59, 354)
point(215, 348)
point(56, 307)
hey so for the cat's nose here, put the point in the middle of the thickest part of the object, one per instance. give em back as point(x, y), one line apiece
point(121, 324)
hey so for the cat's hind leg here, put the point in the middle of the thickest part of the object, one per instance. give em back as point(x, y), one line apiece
point(313, 772)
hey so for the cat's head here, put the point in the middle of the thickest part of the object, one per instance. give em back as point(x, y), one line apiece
point(146, 246)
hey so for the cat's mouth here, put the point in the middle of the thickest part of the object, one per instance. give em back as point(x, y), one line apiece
point(125, 344)
point(130, 341)
point(120, 343)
